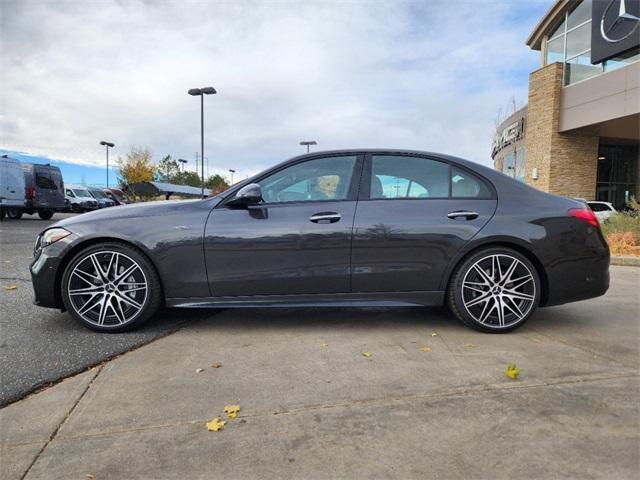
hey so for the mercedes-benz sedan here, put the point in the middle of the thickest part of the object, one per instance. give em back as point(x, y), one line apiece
point(339, 228)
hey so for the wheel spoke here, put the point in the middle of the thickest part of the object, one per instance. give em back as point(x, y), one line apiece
point(513, 307)
point(495, 268)
point(125, 274)
point(118, 311)
point(86, 291)
point(480, 298)
point(98, 268)
point(486, 311)
point(104, 307)
point(519, 282)
point(507, 275)
point(500, 310)
point(518, 295)
point(90, 304)
point(483, 274)
point(128, 300)
point(86, 277)
point(475, 289)
point(113, 256)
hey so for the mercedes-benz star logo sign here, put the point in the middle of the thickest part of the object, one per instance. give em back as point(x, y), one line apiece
point(617, 24)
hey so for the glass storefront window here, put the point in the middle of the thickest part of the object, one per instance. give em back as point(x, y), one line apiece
point(580, 68)
point(580, 14)
point(619, 62)
point(555, 50)
point(578, 40)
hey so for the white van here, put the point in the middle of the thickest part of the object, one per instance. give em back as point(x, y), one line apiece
point(12, 184)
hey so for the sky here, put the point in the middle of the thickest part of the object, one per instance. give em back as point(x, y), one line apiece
point(428, 75)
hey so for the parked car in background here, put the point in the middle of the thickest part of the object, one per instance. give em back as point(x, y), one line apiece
point(603, 210)
point(12, 188)
point(80, 200)
point(116, 195)
point(44, 192)
point(101, 198)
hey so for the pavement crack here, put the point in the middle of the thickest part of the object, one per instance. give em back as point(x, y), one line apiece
point(62, 422)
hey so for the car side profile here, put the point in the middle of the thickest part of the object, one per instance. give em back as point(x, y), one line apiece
point(337, 228)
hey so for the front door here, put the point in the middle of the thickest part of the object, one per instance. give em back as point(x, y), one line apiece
point(414, 215)
point(297, 241)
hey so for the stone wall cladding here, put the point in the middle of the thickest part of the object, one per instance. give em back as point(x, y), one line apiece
point(566, 162)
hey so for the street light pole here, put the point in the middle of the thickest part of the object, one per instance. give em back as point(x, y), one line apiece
point(232, 171)
point(107, 145)
point(182, 161)
point(201, 92)
point(308, 143)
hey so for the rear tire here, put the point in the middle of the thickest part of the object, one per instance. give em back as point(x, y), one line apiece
point(14, 213)
point(494, 290)
point(45, 214)
point(121, 296)
point(75, 208)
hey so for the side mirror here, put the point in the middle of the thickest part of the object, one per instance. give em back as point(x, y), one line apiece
point(248, 195)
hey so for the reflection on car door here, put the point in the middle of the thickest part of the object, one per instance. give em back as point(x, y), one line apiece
point(298, 241)
point(415, 214)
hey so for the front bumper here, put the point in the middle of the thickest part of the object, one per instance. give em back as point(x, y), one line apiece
point(45, 270)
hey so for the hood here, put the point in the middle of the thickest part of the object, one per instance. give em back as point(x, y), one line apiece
point(136, 210)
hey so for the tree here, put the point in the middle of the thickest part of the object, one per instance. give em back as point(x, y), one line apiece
point(217, 183)
point(188, 178)
point(168, 170)
point(135, 167)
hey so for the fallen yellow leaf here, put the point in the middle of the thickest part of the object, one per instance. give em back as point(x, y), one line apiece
point(215, 424)
point(425, 349)
point(216, 365)
point(324, 345)
point(513, 371)
point(434, 334)
point(232, 410)
point(367, 354)
point(11, 287)
point(469, 345)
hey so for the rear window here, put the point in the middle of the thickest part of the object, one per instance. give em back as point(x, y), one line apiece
point(45, 181)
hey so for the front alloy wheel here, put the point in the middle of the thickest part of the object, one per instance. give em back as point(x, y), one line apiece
point(111, 287)
point(494, 290)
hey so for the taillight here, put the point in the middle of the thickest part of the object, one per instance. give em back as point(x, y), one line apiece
point(585, 215)
point(31, 193)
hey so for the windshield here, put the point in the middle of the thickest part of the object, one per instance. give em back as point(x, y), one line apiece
point(82, 193)
point(97, 194)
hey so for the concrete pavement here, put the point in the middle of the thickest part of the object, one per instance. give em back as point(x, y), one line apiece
point(314, 407)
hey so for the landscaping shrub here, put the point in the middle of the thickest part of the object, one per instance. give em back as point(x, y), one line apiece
point(622, 230)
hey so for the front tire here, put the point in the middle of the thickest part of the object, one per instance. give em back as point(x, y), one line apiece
point(494, 290)
point(111, 287)
point(14, 213)
point(45, 214)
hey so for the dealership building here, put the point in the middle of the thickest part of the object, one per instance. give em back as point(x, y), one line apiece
point(579, 134)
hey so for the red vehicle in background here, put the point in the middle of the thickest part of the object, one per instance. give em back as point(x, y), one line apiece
point(116, 195)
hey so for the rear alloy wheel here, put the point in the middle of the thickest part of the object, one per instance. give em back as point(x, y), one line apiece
point(111, 288)
point(45, 214)
point(494, 290)
point(14, 213)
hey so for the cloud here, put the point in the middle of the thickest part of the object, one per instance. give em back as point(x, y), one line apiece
point(424, 75)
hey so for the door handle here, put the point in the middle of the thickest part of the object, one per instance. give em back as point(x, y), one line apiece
point(325, 217)
point(463, 213)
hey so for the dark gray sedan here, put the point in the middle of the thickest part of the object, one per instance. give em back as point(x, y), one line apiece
point(339, 228)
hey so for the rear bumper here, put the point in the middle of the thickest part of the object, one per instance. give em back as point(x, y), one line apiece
point(578, 279)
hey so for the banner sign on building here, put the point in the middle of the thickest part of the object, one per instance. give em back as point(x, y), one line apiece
point(509, 134)
point(615, 28)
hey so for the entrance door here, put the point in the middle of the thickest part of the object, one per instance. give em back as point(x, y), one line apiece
point(297, 241)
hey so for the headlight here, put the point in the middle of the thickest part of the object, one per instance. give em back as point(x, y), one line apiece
point(52, 236)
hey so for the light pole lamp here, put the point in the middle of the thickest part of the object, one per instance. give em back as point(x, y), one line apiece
point(232, 171)
point(201, 92)
point(183, 162)
point(308, 143)
point(107, 145)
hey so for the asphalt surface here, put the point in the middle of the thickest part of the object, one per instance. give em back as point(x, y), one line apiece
point(40, 345)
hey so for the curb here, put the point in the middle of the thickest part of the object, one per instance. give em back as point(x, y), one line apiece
point(626, 260)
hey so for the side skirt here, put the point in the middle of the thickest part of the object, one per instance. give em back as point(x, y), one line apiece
point(365, 299)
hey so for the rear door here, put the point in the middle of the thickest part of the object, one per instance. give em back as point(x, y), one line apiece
point(415, 213)
point(12, 190)
point(49, 187)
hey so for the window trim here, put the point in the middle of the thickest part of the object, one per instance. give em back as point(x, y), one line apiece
point(352, 191)
point(367, 170)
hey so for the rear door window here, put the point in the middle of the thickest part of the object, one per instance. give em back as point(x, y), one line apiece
point(44, 180)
